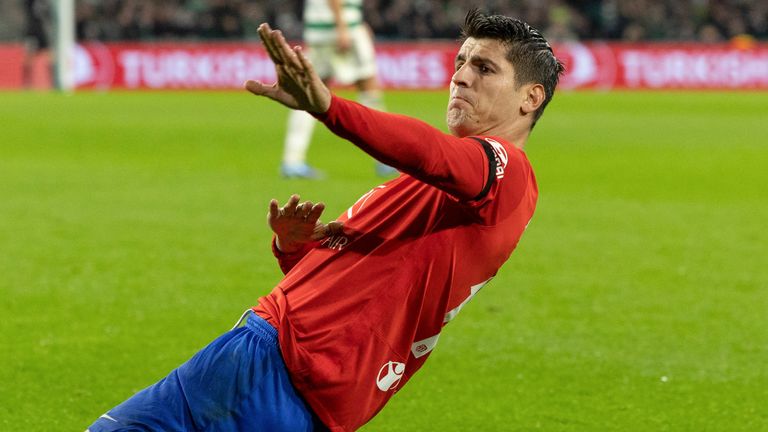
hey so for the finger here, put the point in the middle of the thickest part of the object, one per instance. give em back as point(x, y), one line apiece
point(335, 228)
point(274, 209)
point(299, 213)
point(304, 209)
point(322, 230)
point(306, 65)
point(260, 89)
point(319, 232)
point(315, 212)
point(290, 207)
point(263, 32)
point(274, 45)
point(285, 51)
point(273, 92)
point(266, 35)
point(264, 28)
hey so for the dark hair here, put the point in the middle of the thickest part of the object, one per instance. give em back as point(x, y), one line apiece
point(528, 51)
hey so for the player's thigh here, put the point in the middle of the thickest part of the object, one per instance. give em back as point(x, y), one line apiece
point(321, 56)
point(244, 386)
point(364, 52)
point(177, 401)
point(359, 62)
point(236, 383)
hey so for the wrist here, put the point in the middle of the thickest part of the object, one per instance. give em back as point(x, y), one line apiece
point(327, 104)
point(286, 247)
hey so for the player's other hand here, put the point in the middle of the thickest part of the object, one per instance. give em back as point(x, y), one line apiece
point(343, 41)
point(298, 86)
point(296, 224)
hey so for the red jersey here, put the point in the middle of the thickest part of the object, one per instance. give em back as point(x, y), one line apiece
point(358, 313)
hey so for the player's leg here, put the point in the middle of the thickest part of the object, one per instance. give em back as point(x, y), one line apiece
point(367, 83)
point(369, 93)
point(364, 69)
point(297, 138)
point(158, 407)
point(237, 383)
point(301, 125)
point(270, 402)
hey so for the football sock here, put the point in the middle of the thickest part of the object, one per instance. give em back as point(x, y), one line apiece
point(300, 127)
point(371, 99)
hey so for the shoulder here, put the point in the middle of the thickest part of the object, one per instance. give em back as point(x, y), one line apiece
point(502, 155)
point(510, 177)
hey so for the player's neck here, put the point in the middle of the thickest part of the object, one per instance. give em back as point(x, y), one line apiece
point(514, 133)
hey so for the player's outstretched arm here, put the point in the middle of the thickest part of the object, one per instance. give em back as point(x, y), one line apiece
point(296, 224)
point(298, 86)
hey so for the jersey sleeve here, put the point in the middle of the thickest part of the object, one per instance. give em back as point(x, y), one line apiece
point(460, 166)
point(511, 177)
point(287, 261)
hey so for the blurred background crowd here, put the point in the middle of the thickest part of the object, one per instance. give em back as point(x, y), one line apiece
point(629, 20)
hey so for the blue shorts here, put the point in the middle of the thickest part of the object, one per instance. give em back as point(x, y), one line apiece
point(237, 383)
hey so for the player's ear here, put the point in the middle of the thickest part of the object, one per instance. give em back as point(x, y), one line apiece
point(534, 97)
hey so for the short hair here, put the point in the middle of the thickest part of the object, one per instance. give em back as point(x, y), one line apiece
point(528, 51)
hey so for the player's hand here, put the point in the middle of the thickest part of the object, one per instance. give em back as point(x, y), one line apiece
point(298, 86)
point(344, 41)
point(296, 224)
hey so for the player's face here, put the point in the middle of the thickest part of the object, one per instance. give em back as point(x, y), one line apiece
point(483, 94)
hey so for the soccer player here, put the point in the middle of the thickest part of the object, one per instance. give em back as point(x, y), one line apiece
point(340, 46)
point(366, 296)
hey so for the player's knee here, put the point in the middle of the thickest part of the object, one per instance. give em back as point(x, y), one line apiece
point(370, 99)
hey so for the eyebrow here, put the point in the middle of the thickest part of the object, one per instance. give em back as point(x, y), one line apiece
point(476, 58)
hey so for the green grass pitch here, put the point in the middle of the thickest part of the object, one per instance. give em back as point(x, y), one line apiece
point(132, 233)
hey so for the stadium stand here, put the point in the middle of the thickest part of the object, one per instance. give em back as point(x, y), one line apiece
point(630, 20)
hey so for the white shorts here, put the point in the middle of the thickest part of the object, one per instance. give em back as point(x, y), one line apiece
point(345, 68)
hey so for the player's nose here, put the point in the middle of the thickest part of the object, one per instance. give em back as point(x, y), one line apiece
point(462, 76)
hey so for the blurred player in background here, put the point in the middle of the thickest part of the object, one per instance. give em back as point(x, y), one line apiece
point(340, 45)
point(37, 68)
point(365, 297)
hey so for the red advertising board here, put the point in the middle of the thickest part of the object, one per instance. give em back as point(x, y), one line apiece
point(223, 66)
point(427, 65)
point(11, 66)
point(664, 66)
point(170, 66)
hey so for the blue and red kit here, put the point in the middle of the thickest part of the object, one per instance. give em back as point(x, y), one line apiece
point(357, 314)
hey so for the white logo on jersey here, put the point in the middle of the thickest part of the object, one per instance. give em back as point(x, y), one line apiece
point(501, 156)
point(335, 242)
point(474, 289)
point(361, 201)
point(424, 346)
point(390, 375)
